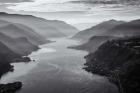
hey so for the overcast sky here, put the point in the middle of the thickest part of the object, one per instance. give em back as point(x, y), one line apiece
point(77, 13)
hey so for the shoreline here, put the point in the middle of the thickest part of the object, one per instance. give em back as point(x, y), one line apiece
point(118, 60)
point(16, 85)
point(7, 67)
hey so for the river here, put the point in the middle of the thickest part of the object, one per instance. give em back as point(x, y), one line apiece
point(58, 69)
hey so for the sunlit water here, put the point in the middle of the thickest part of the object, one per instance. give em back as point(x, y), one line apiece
point(58, 69)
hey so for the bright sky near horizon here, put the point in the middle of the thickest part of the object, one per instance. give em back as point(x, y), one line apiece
point(79, 14)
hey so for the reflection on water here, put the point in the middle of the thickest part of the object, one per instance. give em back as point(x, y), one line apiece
point(58, 70)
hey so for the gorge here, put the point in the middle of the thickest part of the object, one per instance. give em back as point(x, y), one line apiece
point(35, 62)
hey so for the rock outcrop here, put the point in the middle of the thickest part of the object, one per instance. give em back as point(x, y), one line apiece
point(10, 87)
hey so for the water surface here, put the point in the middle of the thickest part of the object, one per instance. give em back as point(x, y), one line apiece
point(58, 70)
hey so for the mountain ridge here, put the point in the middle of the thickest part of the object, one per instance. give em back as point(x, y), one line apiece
point(96, 30)
point(47, 28)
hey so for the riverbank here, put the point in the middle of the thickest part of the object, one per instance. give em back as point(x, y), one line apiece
point(7, 58)
point(58, 68)
point(119, 61)
point(7, 67)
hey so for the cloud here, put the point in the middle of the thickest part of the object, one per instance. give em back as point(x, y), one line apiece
point(14, 1)
point(73, 11)
point(47, 6)
point(134, 2)
point(58, 5)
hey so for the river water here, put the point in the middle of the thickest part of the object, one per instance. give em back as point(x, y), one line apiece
point(58, 69)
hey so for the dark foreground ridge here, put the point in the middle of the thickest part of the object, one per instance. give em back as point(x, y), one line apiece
point(119, 60)
point(10, 87)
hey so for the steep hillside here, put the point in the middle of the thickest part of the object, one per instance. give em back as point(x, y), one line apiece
point(47, 28)
point(120, 61)
point(19, 45)
point(6, 56)
point(93, 43)
point(123, 29)
point(18, 30)
point(97, 30)
point(3, 23)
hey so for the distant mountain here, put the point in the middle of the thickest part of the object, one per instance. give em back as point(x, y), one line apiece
point(97, 30)
point(107, 31)
point(126, 29)
point(93, 43)
point(47, 28)
point(19, 45)
point(16, 30)
point(63, 27)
